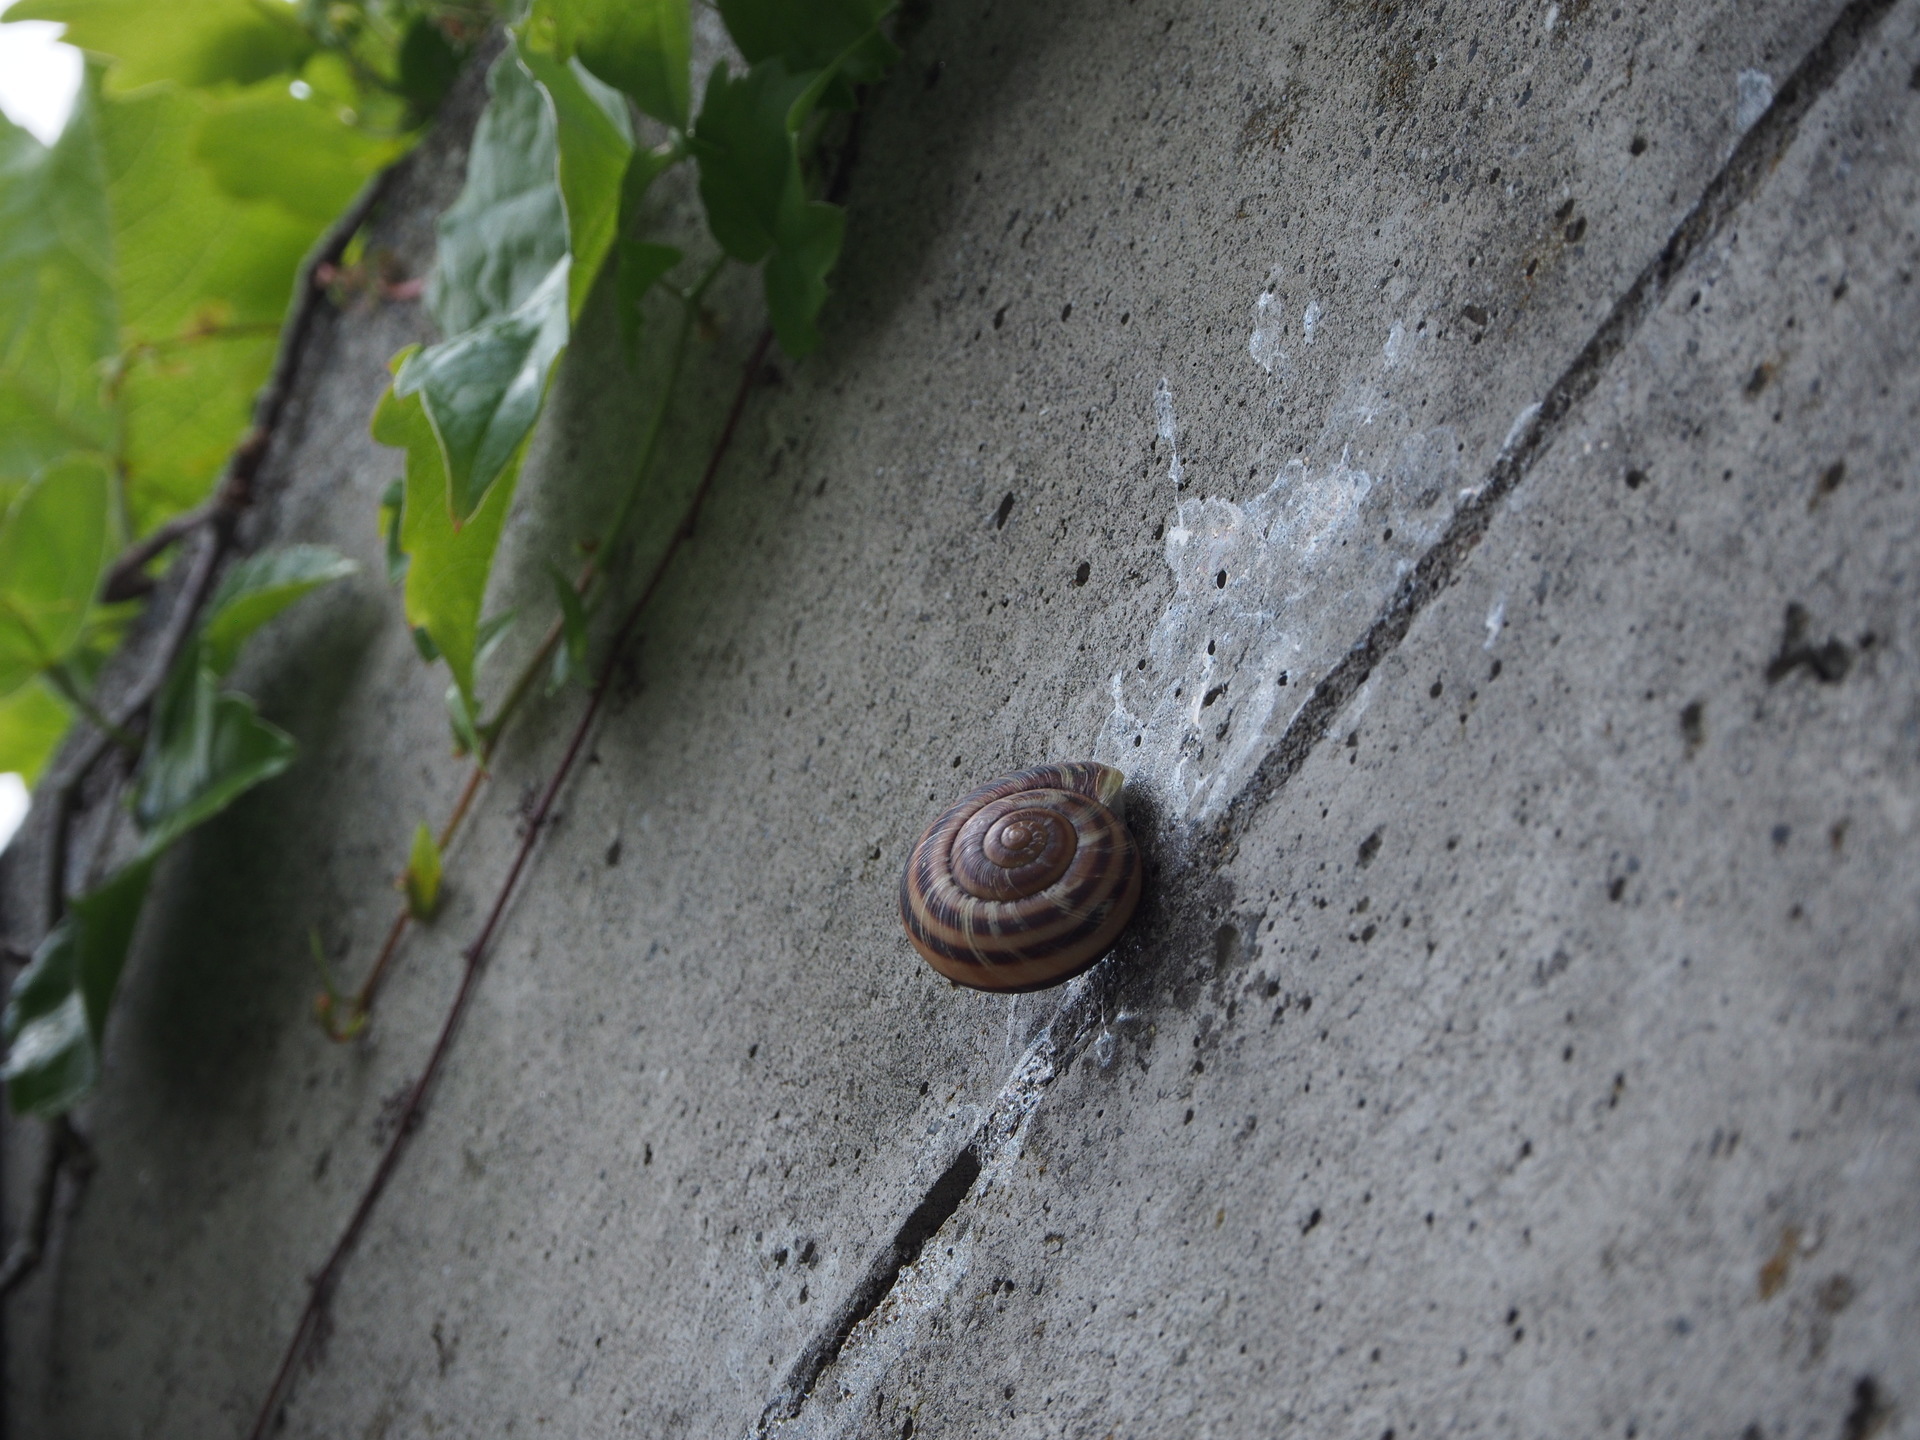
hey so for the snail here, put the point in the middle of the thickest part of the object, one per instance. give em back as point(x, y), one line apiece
point(1024, 882)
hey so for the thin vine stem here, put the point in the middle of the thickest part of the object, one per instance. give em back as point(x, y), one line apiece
point(348, 1023)
point(64, 681)
point(327, 1279)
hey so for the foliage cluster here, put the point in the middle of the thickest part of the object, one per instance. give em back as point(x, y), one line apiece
point(147, 258)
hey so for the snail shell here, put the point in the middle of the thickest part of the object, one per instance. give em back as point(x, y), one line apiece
point(1024, 882)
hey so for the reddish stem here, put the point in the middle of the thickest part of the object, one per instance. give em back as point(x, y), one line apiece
point(328, 1278)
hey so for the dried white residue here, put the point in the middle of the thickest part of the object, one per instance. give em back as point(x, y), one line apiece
point(1396, 340)
point(1268, 593)
point(1165, 428)
point(1310, 320)
point(1753, 94)
point(1269, 323)
point(1496, 619)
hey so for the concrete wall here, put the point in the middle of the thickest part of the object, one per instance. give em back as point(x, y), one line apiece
point(1519, 1034)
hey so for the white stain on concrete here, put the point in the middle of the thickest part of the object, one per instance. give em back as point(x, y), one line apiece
point(1396, 341)
point(1267, 593)
point(1496, 619)
point(1269, 325)
point(1310, 320)
point(1753, 93)
point(1518, 428)
point(1168, 430)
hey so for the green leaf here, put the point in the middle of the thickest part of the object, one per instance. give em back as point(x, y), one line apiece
point(482, 392)
point(806, 244)
point(422, 879)
point(267, 145)
point(52, 550)
point(744, 141)
point(32, 722)
point(447, 564)
point(571, 658)
point(428, 64)
point(197, 42)
point(466, 735)
point(56, 1017)
point(56, 295)
point(639, 46)
point(508, 230)
point(392, 506)
point(204, 751)
point(595, 140)
point(259, 588)
point(641, 263)
point(813, 34)
point(203, 281)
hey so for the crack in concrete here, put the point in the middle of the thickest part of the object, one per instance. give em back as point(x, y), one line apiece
point(999, 1138)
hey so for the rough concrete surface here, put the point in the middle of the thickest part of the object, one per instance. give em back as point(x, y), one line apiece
point(1519, 1036)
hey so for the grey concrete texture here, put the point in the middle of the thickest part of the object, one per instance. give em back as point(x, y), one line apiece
point(1519, 1032)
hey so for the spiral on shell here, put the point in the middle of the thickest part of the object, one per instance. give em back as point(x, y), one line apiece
point(1025, 881)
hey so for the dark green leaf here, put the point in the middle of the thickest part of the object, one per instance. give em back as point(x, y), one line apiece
point(807, 244)
point(447, 564)
point(745, 146)
point(428, 64)
point(423, 642)
point(53, 547)
point(571, 658)
point(642, 265)
point(392, 506)
point(259, 588)
point(205, 750)
point(197, 42)
point(508, 230)
point(57, 1014)
point(483, 390)
point(813, 34)
point(487, 639)
point(639, 46)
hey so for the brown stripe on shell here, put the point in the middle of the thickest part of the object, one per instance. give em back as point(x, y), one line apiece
point(979, 930)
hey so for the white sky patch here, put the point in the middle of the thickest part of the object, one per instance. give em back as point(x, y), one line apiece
point(39, 76)
point(1268, 593)
point(13, 807)
point(1269, 325)
point(1167, 430)
point(1310, 320)
point(1753, 92)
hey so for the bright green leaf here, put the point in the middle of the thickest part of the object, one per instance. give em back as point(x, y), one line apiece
point(197, 42)
point(595, 140)
point(259, 588)
point(32, 721)
point(57, 1015)
point(447, 564)
point(52, 549)
point(57, 320)
point(508, 230)
point(483, 391)
point(422, 880)
point(639, 46)
point(203, 280)
point(813, 34)
point(267, 145)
